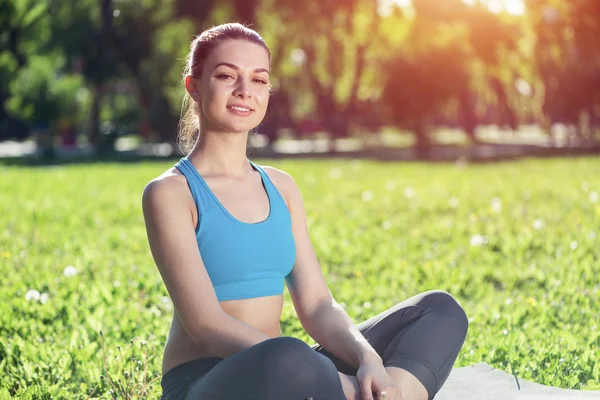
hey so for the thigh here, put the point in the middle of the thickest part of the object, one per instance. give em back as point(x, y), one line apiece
point(381, 329)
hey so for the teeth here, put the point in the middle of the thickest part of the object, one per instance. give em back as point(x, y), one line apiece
point(239, 108)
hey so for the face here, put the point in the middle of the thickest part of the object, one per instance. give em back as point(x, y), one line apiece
point(234, 87)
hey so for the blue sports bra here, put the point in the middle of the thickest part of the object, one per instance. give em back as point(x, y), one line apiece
point(243, 260)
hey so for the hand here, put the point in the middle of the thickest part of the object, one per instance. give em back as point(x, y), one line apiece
point(350, 387)
point(373, 378)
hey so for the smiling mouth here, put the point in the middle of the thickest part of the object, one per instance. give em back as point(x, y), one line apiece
point(241, 109)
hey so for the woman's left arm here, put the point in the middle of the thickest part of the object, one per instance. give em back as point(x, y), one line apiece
point(321, 316)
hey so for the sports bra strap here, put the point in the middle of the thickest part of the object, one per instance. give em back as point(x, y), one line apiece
point(197, 185)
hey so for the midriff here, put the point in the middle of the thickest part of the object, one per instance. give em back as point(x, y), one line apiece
point(262, 313)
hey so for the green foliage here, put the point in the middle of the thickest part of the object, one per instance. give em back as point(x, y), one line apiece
point(39, 97)
point(515, 243)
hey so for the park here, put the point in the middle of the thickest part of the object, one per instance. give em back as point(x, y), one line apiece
point(437, 145)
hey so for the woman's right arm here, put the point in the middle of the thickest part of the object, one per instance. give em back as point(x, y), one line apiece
point(172, 241)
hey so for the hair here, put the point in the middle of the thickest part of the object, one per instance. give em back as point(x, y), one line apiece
point(200, 49)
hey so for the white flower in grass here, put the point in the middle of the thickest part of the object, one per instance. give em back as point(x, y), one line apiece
point(478, 240)
point(574, 245)
point(367, 304)
point(453, 202)
point(335, 173)
point(166, 301)
point(386, 225)
point(32, 294)
point(496, 204)
point(592, 235)
point(44, 298)
point(538, 224)
point(70, 271)
point(409, 193)
point(594, 197)
point(367, 195)
point(154, 311)
point(390, 186)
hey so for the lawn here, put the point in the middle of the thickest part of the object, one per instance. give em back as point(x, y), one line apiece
point(516, 243)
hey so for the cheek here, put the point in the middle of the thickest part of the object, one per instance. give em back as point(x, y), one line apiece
point(213, 98)
point(262, 98)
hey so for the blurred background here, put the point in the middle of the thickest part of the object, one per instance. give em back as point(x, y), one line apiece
point(402, 79)
point(354, 82)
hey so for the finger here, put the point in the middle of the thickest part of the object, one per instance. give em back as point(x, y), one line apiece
point(365, 388)
point(387, 394)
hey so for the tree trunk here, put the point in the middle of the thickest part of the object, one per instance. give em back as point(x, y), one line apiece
point(467, 115)
point(423, 141)
point(95, 114)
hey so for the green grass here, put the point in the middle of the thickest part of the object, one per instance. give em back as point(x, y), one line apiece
point(530, 289)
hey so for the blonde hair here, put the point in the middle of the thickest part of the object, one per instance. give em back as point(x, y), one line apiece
point(200, 49)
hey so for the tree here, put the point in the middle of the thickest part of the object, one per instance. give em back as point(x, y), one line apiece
point(451, 52)
point(567, 59)
point(22, 24)
point(417, 88)
point(334, 53)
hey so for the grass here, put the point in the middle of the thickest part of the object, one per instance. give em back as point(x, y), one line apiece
point(84, 311)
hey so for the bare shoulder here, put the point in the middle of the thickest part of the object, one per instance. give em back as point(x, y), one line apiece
point(284, 182)
point(170, 186)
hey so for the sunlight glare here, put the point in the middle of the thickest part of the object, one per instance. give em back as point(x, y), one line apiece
point(514, 7)
point(403, 3)
point(495, 6)
point(385, 7)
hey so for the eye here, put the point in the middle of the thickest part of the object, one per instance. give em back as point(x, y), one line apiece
point(261, 81)
point(224, 76)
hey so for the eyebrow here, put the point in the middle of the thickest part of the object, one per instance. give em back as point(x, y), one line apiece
point(233, 66)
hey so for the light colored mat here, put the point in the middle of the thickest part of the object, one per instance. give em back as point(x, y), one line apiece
point(482, 382)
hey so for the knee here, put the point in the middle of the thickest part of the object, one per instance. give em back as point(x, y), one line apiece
point(443, 305)
point(284, 346)
point(295, 365)
point(284, 352)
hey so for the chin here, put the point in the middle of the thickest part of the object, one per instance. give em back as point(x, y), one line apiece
point(239, 125)
point(238, 128)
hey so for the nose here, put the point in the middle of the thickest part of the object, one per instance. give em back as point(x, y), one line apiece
point(242, 90)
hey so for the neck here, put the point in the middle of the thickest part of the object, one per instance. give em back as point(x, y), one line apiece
point(219, 153)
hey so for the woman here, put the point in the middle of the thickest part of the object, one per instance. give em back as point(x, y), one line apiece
point(227, 233)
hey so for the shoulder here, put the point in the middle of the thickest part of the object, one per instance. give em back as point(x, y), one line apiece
point(169, 187)
point(284, 182)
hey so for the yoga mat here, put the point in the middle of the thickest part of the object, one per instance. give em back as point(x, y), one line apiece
point(482, 382)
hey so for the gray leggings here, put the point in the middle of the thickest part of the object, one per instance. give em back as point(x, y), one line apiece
point(422, 335)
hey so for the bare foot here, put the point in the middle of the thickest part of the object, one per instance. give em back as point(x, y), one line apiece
point(411, 387)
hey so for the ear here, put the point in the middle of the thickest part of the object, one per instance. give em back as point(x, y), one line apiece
point(192, 88)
